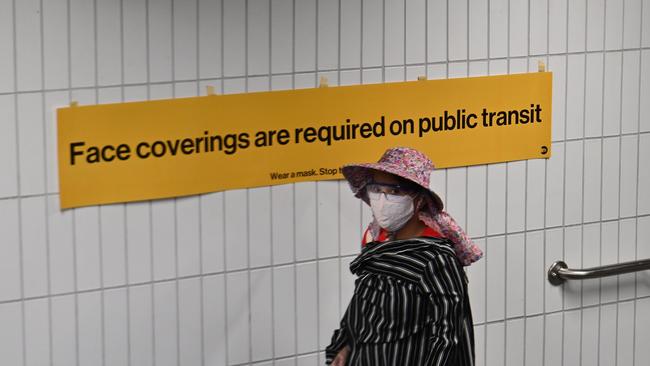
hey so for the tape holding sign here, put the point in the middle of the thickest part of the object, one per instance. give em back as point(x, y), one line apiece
point(166, 148)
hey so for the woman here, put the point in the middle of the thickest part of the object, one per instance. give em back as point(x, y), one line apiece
point(410, 303)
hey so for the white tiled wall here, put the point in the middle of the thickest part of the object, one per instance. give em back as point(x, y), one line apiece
point(260, 276)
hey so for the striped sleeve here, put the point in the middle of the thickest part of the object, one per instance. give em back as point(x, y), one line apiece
point(443, 283)
point(340, 338)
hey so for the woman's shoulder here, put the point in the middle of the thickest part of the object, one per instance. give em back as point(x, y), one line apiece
point(436, 245)
point(413, 250)
point(382, 235)
point(440, 245)
point(440, 250)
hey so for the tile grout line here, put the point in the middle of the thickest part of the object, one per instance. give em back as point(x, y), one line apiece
point(174, 85)
point(150, 204)
point(383, 41)
point(620, 169)
point(272, 241)
point(636, 204)
point(293, 185)
point(305, 261)
point(100, 230)
point(426, 72)
point(577, 139)
point(487, 180)
point(564, 185)
point(72, 214)
point(200, 197)
point(48, 242)
point(316, 352)
point(18, 190)
point(223, 204)
point(316, 85)
point(426, 38)
point(90, 291)
point(338, 183)
point(546, 163)
point(525, 234)
point(506, 224)
point(124, 206)
point(361, 16)
point(323, 70)
point(248, 200)
point(582, 200)
point(602, 156)
point(404, 67)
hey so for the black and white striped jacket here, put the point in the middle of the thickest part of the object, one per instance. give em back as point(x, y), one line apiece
point(409, 307)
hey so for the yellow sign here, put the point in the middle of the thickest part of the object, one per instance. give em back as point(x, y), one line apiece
point(155, 149)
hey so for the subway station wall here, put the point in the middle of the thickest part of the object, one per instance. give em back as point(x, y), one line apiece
point(260, 276)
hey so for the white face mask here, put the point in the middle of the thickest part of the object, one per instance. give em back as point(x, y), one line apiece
point(391, 211)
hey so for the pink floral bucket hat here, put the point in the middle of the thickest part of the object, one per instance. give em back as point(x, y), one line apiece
point(401, 161)
point(416, 167)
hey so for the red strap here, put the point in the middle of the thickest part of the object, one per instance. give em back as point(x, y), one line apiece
point(429, 232)
point(363, 238)
point(383, 235)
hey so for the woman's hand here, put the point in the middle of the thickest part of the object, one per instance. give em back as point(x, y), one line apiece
point(341, 357)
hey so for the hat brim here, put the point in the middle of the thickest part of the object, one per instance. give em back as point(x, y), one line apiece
point(358, 175)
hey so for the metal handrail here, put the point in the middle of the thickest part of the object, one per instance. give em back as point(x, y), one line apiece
point(559, 272)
